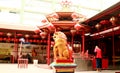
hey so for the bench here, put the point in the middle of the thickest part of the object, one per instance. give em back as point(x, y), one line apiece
point(22, 63)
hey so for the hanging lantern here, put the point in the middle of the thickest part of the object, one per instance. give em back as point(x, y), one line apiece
point(1, 33)
point(104, 22)
point(43, 35)
point(9, 34)
point(44, 41)
point(16, 40)
point(30, 41)
point(37, 41)
point(12, 39)
point(4, 39)
point(27, 36)
point(98, 26)
point(19, 35)
point(37, 31)
point(78, 27)
point(34, 41)
point(35, 36)
point(113, 20)
point(1, 39)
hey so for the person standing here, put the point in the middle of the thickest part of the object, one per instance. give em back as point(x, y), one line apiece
point(98, 53)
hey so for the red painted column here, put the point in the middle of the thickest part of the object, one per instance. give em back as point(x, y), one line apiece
point(15, 50)
point(48, 49)
point(113, 46)
point(83, 41)
point(72, 42)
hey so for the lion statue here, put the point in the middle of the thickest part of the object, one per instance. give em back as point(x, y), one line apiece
point(61, 49)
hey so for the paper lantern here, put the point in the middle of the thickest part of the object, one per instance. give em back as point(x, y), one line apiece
point(38, 41)
point(9, 34)
point(27, 36)
point(37, 31)
point(30, 41)
point(98, 26)
point(19, 35)
point(113, 20)
point(4, 39)
point(1, 33)
point(16, 40)
point(1, 39)
point(104, 22)
point(36, 36)
point(34, 41)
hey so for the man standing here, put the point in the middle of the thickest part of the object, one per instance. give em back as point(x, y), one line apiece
point(98, 57)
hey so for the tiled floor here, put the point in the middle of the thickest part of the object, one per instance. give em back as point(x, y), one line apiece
point(40, 68)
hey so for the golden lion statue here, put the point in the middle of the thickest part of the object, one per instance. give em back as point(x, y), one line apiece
point(61, 50)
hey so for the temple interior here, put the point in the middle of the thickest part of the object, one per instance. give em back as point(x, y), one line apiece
point(86, 24)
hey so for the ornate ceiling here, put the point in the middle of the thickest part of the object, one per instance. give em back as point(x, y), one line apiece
point(30, 12)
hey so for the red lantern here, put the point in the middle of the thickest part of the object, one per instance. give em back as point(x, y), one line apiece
point(43, 35)
point(37, 31)
point(1, 33)
point(34, 41)
point(98, 26)
point(35, 36)
point(37, 41)
point(9, 34)
point(113, 20)
point(1, 39)
point(19, 35)
point(27, 36)
point(30, 41)
point(12, 39)
point(4, 39)
point(104, 22)
point(44, 41)
point(16, 40)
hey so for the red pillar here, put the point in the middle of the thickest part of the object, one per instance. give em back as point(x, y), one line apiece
point(72, 41)
point(48, 49)
point(83, 41)
point(113, 46)
point(15, 50)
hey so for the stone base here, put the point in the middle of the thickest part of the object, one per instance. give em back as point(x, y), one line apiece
point(63, 67)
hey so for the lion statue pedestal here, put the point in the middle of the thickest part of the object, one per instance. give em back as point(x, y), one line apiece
point(63, 61)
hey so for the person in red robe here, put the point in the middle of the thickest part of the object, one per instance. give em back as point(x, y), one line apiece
point(98, 57)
